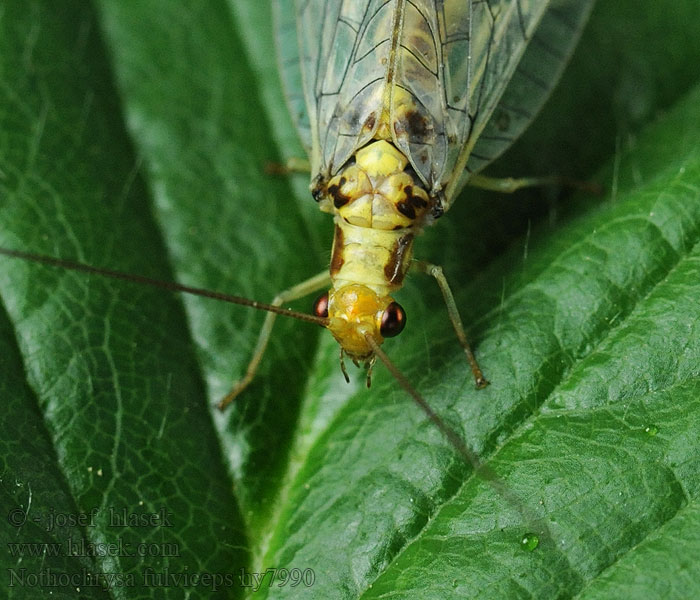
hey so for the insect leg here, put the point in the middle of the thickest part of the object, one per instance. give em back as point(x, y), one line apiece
point(309, 286)
point(294, 164)
point(452, 311)
point(508, 185)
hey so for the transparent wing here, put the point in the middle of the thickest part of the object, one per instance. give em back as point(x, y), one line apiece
point(484, 45)
point(456, 58)
point(434, 70)
point(344, 52)
point(533, 80)
point(285, 24)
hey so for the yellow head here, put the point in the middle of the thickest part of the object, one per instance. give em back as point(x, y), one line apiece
point(354, 312)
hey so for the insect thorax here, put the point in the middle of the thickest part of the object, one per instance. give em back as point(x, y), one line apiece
point(379, 206)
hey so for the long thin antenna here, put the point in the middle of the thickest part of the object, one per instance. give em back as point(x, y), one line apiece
point(468, 456)
point(166, 285)
point(452, 436)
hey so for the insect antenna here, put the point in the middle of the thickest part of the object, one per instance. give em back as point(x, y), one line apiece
point(481, 469)
point(466, 454)
point(158, 283)
point(452, 436)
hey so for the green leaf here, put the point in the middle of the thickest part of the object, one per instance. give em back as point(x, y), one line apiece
point(134, 136)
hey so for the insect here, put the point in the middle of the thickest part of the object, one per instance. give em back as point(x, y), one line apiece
point(404, 103)
point(119, 427)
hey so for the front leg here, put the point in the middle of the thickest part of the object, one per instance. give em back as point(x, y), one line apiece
point(311, 285)
point(508, 185)
point(452, 311)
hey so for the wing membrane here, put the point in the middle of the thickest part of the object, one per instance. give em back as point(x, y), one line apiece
point(445, 72)
point(289, 64)
point(533, 80)
point(345, 46)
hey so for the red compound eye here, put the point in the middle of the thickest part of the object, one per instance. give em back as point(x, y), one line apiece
point(321, 306)
point(393, 320)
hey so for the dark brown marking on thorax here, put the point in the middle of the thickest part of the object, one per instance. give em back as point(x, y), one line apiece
point(413, 199)
point(337, 259)
point(397, 265)
point(406, 209)
point(339, 199)
point(411, 203)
